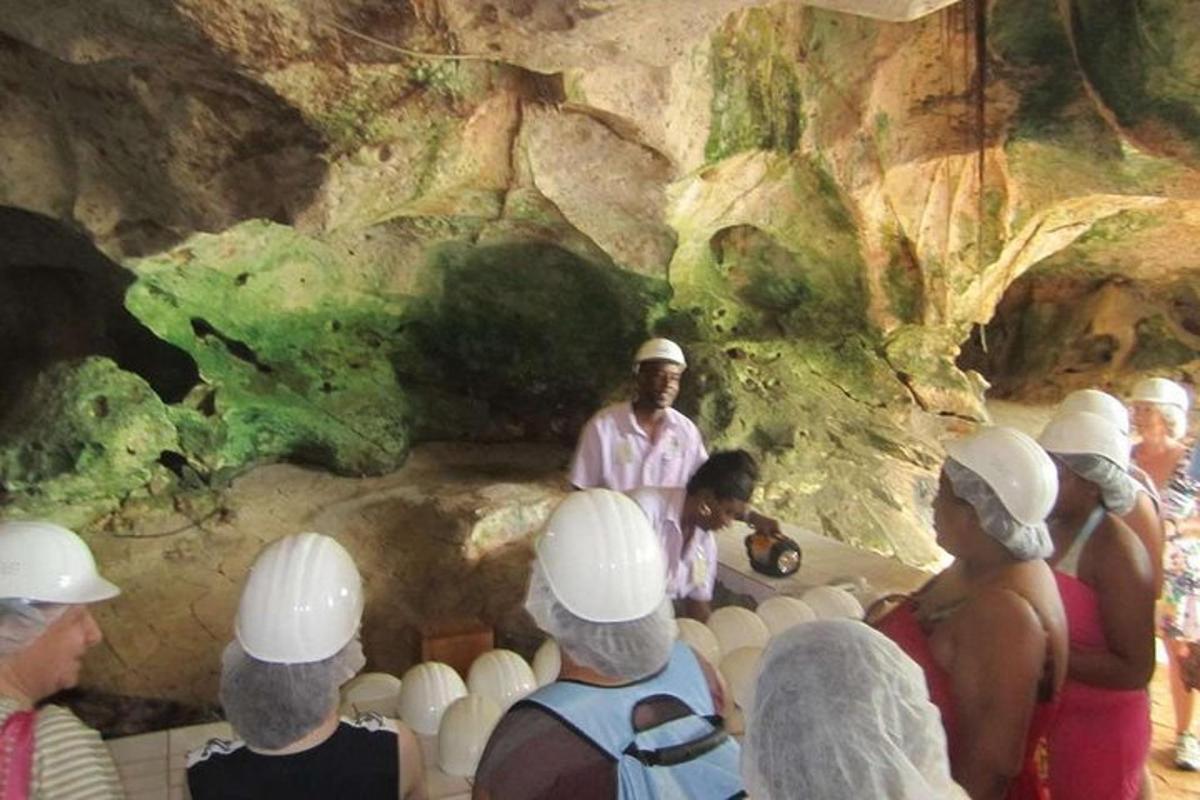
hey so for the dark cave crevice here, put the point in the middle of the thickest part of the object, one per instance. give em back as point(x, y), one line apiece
point(61, 299)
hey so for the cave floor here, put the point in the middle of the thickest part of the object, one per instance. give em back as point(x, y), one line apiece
point(1169, 783)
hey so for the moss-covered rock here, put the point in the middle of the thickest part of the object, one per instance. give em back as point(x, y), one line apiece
point(766, 247)
point(829, 424)
point(1143, 59)
point(923, 359)
point(757, 103)
point(1060, 144)
point(532, 334)
point(293, 343)
point(84, 436)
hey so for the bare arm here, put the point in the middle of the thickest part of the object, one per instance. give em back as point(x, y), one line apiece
point(1120, 574)
point(1144, 521)
point(412, 766)
point(696, 609)
point(587, 465)
point(999, 657)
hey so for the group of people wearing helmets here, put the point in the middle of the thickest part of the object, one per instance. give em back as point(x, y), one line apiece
point(1019, 671)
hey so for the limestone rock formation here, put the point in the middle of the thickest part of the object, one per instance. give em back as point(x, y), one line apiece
point(354, 225)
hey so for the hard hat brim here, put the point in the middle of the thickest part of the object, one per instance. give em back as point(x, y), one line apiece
point(92, 591)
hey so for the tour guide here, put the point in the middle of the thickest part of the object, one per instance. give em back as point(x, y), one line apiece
point(644, 443)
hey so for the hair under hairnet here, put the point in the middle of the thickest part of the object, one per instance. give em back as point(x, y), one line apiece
point(1025, 542)
point(840, 711)
point(23, 621)
point(1117, 489)
point(621, 650)
point(273, 705)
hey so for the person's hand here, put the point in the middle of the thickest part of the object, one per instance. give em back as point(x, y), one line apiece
point(767, 526)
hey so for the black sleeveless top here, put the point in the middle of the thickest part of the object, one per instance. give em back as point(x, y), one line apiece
point(360, 760)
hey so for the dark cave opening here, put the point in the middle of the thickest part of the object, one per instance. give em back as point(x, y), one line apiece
point(61, 299)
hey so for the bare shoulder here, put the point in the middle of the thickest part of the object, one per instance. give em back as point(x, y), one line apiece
point(1115, 535)
point(1000, 608)
point(1023, 600)
point(1115, 547)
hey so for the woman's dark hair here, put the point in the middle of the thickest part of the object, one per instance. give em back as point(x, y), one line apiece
point(728, 474)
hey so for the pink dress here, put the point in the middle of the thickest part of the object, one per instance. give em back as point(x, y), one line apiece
point(1100, 742)
point(1032, 783)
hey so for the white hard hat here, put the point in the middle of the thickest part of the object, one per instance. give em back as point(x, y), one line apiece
point(1015, 467)
point(782, 612)
point(376, 692)
point(740, 669)
point(736, 627)
point(547, 663)
point(1161, 391)
point(303, 601)
point(502, 676)
point(659, 350)
point(700, 638)
point(426, 690)
point(464, 732)
point(1098, 402)
point(832, 602)
point(46, 562)
point(1084, 433)
point(601, 558)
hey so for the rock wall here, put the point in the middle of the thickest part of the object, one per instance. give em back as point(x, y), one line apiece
point(352, 225)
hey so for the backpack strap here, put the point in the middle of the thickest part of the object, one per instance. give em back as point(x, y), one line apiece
point(604, 714)
point(685, 751)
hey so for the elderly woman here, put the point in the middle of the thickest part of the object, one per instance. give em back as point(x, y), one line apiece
point(1160, 416)
point(633, 712)
point(296, 642)
point(840, 712)
point(685, 518)
point(48, 579)
point(989, 631)
point(1099, 745)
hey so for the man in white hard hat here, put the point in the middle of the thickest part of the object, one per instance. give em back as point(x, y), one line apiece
point(633, 713)
point(296, 642)
point(47, 581)
point(645, 442)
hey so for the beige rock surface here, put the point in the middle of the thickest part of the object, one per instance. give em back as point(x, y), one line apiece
point(443, 538)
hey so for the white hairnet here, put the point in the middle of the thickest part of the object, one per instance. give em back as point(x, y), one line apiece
point(1117, 489)
point(273, 705)
point(622, 650)
point(841, 712)
point(1025, 542)
point(22, 621)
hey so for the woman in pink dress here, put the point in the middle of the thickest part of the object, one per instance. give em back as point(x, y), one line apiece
point(989, 632)
point(1100, 742)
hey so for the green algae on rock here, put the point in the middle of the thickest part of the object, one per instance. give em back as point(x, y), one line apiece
point(528, 329)
point(85, 436)
point(823, 418)
point(292, 340)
